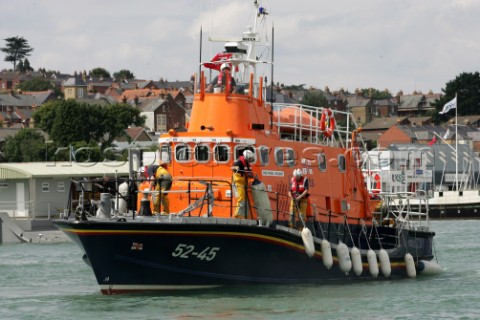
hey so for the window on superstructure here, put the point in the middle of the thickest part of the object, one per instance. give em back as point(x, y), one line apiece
point(165, 153)
point(290, 157)
point(183, 153)
point(264, 159)
point(322, 162)
point(202, 153)
point(221, 153)
point(239, 151)
point(279, 157)
point(341, 163)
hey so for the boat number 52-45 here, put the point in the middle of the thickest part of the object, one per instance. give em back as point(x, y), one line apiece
point(186, 251)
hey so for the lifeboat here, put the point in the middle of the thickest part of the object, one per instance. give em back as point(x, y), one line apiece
point(237, 214)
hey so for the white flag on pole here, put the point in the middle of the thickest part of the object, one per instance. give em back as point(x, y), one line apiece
point(452, 104)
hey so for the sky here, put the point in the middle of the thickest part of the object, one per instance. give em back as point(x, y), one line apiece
point(396, 45)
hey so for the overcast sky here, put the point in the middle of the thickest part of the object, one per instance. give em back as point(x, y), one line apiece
point(396, 44)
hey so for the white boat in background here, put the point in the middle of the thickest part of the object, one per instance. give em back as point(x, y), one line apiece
point(427, 172)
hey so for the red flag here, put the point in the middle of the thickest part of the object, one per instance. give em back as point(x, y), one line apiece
point(219, 57)
point(434, 140)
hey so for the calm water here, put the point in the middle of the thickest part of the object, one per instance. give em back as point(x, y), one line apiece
point(50, 281)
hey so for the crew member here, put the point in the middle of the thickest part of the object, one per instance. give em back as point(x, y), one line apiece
point(143, 185)
point(241, 172)
point(163, 182)
point(220, 81)
point(299, 194)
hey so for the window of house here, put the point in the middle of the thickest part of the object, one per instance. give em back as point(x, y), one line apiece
point(61, 186)
point(202, 153)
point(45, 187)
point(161, 122)
point(221, 153)
point(322, 162)
point(183, 153)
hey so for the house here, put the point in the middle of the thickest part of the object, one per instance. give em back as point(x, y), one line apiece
point(162, 113)
point(10, 79)
point(137, 137)
point(386, 108)
point(373, 130)
point(74, 88)
point(407, 134)
point(17, 108)
point(363, 109)
point(416, 104)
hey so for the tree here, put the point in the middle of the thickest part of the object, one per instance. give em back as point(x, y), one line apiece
point(123, 74)
point(26, 146)
point(466, 86)
point(314, 98)
point(69, 122)
point(16, 49)
point(26, 65)
point(35, 84)
point(376, 94)
point(100, 72)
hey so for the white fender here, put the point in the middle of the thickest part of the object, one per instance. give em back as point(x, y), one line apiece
point(327, 254)
point(308, 242)
point(372, 263)
point(356, 261)
point(429, 267)
point(385, 266)
point(344, 258)
point(105, 206)
point(262, 203)
point(410, 266)
point(122, 203)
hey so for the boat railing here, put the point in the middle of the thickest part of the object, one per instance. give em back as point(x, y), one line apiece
point(302, 123)
point(407, 208)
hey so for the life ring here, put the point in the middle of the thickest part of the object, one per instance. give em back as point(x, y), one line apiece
point(327, 116)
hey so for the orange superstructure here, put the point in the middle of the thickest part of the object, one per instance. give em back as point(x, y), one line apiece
point(283, 138)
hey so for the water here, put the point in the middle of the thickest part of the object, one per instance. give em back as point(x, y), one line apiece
point(50, 281)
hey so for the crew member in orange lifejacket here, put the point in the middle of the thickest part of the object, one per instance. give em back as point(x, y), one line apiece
point(241, 172)
point(220, 81)
point(299, 194)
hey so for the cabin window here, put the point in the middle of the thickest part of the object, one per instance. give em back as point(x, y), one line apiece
point(341, 163)
point(202, 153)
point(183, 153)
point(45, 187)
point(165, 153)
point(264, 159)
point(239, 151)
point(279, 158)
point(3, 185)
point(322, 162)
point(61, 186)
point(221, 153)
point(290, 157)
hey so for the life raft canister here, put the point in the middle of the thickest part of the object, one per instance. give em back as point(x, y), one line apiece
point(326, 117)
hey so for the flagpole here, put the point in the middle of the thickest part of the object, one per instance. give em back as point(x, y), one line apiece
point(456, 143)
